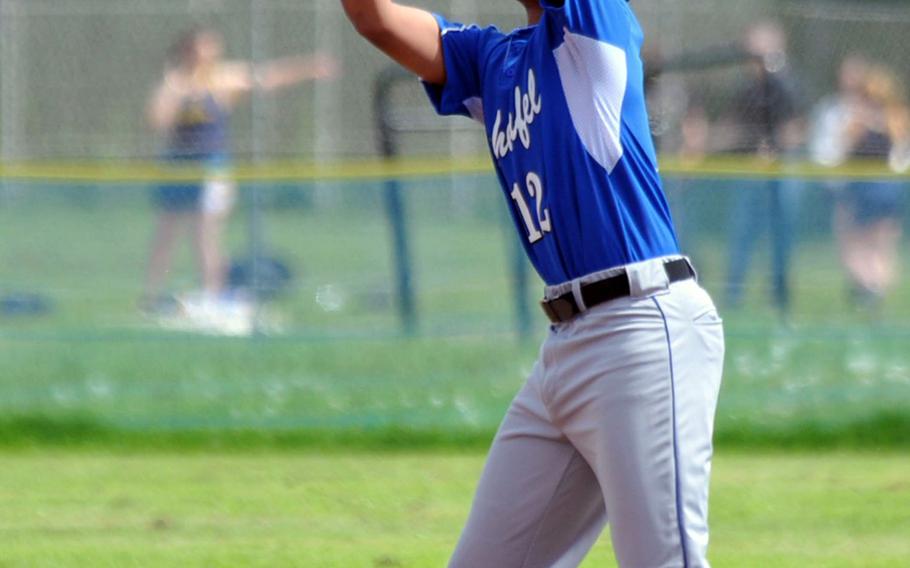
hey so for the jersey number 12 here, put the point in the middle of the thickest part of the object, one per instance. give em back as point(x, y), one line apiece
point(536, 228)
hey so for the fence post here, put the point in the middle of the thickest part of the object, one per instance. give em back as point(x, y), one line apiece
point(257, 132)
point(11, 112)
point(520, 289)
point(394, 202)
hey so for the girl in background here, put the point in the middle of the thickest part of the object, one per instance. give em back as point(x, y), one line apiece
point(190, 108)
point(868, 216)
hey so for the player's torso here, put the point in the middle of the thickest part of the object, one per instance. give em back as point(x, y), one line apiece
point(573, 152)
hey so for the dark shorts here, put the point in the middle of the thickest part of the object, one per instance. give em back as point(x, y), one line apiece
point(872, 201)
point(185, 195)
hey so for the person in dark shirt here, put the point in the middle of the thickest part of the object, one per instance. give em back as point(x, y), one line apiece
point(767, 114)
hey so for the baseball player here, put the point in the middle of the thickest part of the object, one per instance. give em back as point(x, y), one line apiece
point(615, 422)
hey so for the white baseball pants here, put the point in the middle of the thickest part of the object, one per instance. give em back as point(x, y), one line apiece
point(614, 424)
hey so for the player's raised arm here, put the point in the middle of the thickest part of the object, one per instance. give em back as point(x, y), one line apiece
point(408, 35)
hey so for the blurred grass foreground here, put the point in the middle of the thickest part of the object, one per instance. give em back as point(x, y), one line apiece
point(337, 510)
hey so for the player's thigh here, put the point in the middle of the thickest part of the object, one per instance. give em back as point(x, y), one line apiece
point(628, 409)
point(538, 502)
point(627, 436)
point(696, 346)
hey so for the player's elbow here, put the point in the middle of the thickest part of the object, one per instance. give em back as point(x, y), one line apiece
point(366, 20)
point(371, 29)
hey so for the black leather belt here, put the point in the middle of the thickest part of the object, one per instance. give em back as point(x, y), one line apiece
point(564, 308)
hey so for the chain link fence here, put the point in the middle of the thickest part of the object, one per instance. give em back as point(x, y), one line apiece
point(784, 237)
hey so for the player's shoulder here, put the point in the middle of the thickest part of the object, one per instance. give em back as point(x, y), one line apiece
point(485, 42)
point(447, 26)
point(605, 20)
point(586, 5)
point(457, 31)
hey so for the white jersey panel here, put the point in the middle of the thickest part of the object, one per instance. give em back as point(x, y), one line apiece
point(594, 75)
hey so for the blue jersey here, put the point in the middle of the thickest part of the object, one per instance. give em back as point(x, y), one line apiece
point(564, 110)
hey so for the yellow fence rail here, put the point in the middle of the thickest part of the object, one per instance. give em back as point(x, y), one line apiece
point(276, 171)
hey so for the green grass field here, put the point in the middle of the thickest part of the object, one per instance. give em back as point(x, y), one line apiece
point(334, 440)
point(780, 389)
point(95, 509)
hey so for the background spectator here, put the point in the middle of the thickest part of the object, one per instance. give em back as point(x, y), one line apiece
point(191, 108)
point(875, 125)
point(832, 115)
point(767, 123)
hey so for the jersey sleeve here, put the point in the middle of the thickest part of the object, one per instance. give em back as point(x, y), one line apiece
point(611, 21)
point(464, 49)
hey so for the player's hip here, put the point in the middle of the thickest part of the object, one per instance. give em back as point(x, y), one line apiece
point(628, 288)
point(655, 306)
point(629, 349)
point(636, 323)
